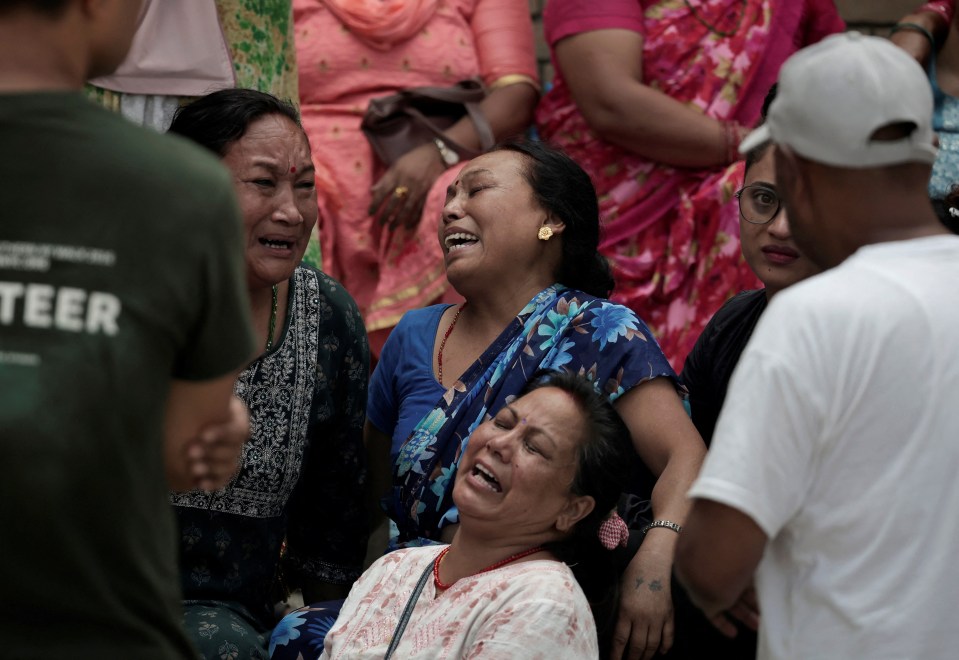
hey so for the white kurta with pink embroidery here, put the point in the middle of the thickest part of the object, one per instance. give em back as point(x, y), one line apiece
point(529, 610)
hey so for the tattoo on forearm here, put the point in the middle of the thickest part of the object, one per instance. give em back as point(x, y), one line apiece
point(655, 585)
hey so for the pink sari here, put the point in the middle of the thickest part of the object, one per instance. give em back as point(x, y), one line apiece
point(341, 69)
point(671, 234)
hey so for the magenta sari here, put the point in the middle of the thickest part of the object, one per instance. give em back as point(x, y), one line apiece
point(671, 234)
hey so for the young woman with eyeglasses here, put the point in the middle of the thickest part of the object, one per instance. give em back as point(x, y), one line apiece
point(764, 234)
point(772, 255)
point(768, 248)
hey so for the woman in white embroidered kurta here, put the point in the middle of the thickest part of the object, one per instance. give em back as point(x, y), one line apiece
point(525, 610)
point(534, 486)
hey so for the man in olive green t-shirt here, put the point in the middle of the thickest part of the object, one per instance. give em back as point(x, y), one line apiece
point(123, 318)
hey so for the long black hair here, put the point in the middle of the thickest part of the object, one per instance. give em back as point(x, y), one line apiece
point(564, 190)
point(605, 457)
point(219, 119)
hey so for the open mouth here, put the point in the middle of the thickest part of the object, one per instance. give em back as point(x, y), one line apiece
point(459, 240)
point(487, 476)
point(276, 245)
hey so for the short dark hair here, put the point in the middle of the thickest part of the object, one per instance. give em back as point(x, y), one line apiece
point(754, 155)
point(51, 7)
point(219, 119)
point(564, 190)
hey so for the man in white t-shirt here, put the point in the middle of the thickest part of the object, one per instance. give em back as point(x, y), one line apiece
point(833, 476)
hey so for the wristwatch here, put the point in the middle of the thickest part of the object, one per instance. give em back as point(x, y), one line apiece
point(449, 156)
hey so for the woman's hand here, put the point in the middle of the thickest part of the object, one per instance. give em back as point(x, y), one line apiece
point(645, 623)
point(667, 442)
point(399, 196)
point(397, 199)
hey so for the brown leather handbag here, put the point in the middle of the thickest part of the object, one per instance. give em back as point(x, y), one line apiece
point(399, 122)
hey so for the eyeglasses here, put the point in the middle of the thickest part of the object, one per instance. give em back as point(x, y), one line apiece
point(758, 204)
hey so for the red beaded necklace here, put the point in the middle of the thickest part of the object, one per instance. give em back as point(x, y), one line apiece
point(449, 331)
point(492, 567)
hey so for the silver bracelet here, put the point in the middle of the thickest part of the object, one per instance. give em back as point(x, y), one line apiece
point(668, 524)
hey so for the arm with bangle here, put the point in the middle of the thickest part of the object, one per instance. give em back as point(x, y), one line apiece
point(603, 69)
point(922, 32)
point(502, 32)
point(668, 443)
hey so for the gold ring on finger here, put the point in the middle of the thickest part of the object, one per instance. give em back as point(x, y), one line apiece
point(401, 192)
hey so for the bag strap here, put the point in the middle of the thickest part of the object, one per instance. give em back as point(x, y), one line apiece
point(468, 92)
point(408, 611)
point(479, 121)
point(483, 128)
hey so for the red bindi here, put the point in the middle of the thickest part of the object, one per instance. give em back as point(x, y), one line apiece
point(293, 170)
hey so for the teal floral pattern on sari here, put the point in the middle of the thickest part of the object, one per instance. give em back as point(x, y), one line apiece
point(559, 329)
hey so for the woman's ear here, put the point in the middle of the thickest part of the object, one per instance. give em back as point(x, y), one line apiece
point(554, 223)
point(578, 507)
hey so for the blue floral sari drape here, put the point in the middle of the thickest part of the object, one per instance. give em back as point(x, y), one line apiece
point(559, 329)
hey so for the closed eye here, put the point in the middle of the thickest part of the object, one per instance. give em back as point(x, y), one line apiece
point(505, 419)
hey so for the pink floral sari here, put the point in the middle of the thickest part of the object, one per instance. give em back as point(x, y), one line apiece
point(347, 55)
point(671, 234)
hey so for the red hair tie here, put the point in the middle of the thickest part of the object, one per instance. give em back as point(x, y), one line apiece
point(613, 532)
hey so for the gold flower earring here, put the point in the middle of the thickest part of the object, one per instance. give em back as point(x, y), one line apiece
point(545, 233)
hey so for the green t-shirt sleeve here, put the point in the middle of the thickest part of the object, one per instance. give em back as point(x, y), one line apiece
point(221, 339)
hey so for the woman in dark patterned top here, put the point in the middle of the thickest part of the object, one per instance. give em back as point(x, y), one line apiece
point(302, 473)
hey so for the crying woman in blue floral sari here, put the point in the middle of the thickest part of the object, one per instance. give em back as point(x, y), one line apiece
point(558, 329)
point(520, 232)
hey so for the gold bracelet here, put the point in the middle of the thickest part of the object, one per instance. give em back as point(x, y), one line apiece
point(514, 79)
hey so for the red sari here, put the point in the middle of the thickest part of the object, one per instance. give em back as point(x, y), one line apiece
point(671, 234)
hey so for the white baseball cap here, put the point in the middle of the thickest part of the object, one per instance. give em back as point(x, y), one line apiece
point(834, 95)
